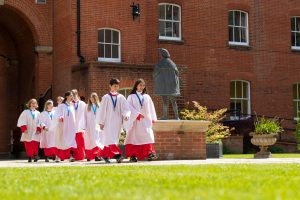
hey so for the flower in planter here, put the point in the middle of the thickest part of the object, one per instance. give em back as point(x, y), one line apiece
point(264, 126)
point(216, 130)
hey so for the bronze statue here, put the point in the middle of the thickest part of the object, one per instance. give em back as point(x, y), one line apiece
point(166, 83)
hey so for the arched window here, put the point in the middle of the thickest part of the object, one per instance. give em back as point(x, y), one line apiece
point(169, 21)
point(238, 27)
point(240, 98)
point(109, 45)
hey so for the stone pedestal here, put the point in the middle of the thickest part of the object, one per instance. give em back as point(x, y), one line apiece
point(180, 139)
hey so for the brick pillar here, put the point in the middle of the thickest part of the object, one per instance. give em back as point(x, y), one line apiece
point(180, 139)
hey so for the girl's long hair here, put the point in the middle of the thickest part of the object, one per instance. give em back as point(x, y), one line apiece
point(137, 82)
point(49, 102)
point(96, 98)
point(68, 93)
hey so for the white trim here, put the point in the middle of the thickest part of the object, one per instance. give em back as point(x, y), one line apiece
point(172, 21)
point(246, 27)
point(37, 2)
point(295, 47)
point(247, 99)
point(103, 59)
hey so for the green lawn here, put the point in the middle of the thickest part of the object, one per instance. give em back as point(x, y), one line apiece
point(240, 182)
point(281, 155)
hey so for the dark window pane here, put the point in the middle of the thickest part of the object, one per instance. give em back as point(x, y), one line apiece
point(101, 36)
point(238, 89)
point(237, 34)
point(245, 90)
point(101, 50)
point(232, 89)
point(243, 35)
point(108, 36)
point(298, 110)
point(162, 9)
point(230, 18)
point(245, 107)
point(237, 18)
point(298, 93)
point(176, 32)
point(115, 38)
point(238, 105)
point(169, 29)
point(293, 22)
point(293, 39)
point(298, 39)
point(243, 19)
point(107, 51)
point(297, 24)
point(295, 91)
point(232, 105)
point(176, 13)
point(162, 28)
point(230, 32)
point(115, 51)
point(169, 12)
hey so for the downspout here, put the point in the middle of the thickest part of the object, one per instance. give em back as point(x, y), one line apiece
point(81, 58)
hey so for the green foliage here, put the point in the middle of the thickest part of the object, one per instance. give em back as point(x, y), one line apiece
point(267, 126)
point(216, 130)
point(298, 134)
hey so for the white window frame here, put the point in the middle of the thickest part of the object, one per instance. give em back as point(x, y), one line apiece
point(165, 20)
point(126, 89)
point(37, 2)
point(294, 31)
point(247, 99)
point(296, 100)
point(234, 26)
point(101, 59)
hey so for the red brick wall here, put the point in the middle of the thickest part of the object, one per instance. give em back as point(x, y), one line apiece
point(185, 146)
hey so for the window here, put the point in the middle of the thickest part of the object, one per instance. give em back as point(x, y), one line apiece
point(169, 21)
point(239, 98)
point(296, 100)
point(295, 36)
point(238, 27)
point(40, 1)
point(109, 45)
point(125, 91)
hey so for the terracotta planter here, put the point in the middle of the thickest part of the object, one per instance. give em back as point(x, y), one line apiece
point(263, 141)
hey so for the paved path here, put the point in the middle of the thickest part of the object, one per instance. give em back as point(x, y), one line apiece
point(41, 163)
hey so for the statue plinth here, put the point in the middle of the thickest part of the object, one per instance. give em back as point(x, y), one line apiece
point(180, 139)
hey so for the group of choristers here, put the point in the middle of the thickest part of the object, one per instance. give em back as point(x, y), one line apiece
point(75, 130)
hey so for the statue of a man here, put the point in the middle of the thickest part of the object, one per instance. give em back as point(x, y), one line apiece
point(166, 82)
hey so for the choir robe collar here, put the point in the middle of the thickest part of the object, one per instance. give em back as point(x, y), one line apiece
point(113, 94)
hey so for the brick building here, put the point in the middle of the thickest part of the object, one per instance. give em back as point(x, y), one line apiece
point(239, 54)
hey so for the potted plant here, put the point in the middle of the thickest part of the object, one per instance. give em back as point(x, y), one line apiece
point(264, 135)
point(216, 130)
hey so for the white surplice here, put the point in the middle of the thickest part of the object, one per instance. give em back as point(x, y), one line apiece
point(80, 108)
point(65, 131)
point(47, 137)
point(93, 134)
point(140, 131)
point(31, 121)
point(112, 118)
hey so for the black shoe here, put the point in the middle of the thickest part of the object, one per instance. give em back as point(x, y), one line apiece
point(53, 158)
point(29, 159)
point(36, 158)
point(119, 158)
point(88, 160)
point(107, 160)
point(46, 159)
point(152, 156)
point(133, 159)
point(98, 159)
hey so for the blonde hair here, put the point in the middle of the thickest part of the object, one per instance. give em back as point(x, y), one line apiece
point(32, 101)
point(49, 102)
point(96, 98)
point(74, 92)
point(60, 98)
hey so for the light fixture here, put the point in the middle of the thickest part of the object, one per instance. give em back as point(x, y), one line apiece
point(135, 10)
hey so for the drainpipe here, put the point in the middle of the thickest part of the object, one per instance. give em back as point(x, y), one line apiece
point(81, 58)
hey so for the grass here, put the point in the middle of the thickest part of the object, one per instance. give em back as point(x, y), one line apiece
point(280, 155)
point(277, 181)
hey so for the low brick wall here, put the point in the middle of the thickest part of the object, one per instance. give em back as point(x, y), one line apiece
point(175, 140)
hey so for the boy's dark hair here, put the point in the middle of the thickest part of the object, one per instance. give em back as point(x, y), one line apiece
point(68, 93)
point(114, 81)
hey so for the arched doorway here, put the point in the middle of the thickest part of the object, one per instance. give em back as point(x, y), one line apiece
point(17, 71)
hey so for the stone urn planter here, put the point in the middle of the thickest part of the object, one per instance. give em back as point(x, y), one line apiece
point(263, 142)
